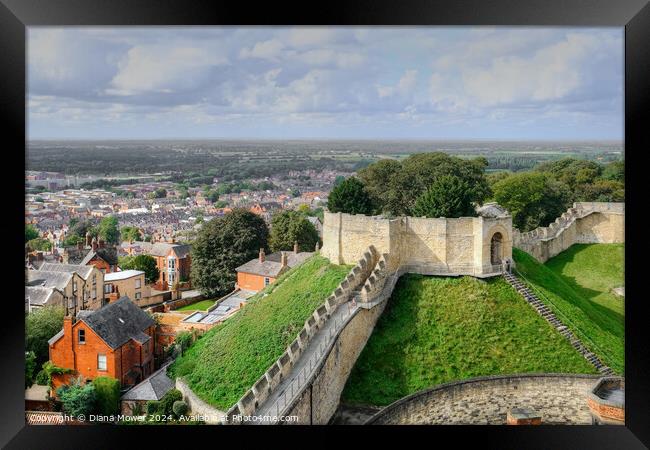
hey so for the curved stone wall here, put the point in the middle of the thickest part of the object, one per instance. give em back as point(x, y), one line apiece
point(560, 398)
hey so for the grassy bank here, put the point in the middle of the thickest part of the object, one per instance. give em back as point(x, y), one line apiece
point(203, 305)
point(576, 285)
point(436, 330)
point(222, 365)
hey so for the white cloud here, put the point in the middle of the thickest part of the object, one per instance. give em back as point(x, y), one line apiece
point(163, 69)
point(405, 86)
point(270, 49)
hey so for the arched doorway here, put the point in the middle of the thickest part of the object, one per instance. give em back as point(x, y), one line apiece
point(496, 248)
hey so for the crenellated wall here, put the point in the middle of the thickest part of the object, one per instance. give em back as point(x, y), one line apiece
point(427, 246)
point(584, 223)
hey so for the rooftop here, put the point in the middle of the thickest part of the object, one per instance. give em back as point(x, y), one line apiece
point(153, 388)
point(271, 266)
point(122, 275)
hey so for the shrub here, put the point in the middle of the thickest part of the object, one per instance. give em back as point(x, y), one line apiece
point(183, 340)
point(153, 407)
point(30, 366)
point(108, 395)
point(167, 402)
point(179, 408)
point(40, 325)
point(42, 378)
point(77, 398)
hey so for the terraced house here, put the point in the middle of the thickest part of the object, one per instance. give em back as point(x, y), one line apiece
point(116, 341)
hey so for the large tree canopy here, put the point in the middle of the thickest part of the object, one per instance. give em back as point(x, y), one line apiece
point(30, 233)
point(350, 197)
point(223, 244)
point(108, 230)
point(534, 199)
point(146, 263)
point(40, 325)
point(288, 227)
point(448, 196)
point(396, 186)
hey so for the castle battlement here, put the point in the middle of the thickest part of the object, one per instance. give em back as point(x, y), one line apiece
point(473, 246)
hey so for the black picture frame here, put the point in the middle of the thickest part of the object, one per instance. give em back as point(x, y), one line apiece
point(633, 15)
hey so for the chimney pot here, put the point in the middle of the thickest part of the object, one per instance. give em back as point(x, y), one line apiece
point(262, 255)
point(295, 247)
point(283, 260)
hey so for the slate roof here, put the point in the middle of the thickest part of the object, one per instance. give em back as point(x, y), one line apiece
point(118, 322)
point(82, 271)
point(122, 275)
point(153, 388)
point(108, 254)
point(160, 248)
point(272, 266)
point(48, 279)
point(38, 295)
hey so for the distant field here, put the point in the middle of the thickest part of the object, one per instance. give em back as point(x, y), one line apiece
point(203, 305)
point(229, 358)
point(577, 285)
point(436, 330)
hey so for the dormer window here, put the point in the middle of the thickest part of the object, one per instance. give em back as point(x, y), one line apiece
point(82, 336)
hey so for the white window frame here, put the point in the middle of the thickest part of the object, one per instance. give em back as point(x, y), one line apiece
point(138, 283)
point(138, 295)
point(267, 281)
point(94, 292)
point(107, 288)
point(99, 362)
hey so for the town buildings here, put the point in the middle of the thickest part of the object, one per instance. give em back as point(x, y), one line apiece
point(258, 273)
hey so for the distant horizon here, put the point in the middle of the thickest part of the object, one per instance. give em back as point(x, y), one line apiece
point(222, 139)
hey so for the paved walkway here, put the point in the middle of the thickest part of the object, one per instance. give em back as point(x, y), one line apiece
point(307, 364)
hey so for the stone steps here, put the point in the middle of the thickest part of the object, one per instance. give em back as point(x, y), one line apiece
point(546, 313)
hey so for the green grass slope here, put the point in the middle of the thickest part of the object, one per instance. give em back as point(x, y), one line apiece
point(436, 330)
point(223, 364)
point(575, 285)
point(203, 305)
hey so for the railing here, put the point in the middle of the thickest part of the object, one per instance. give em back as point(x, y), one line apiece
point(304, 375)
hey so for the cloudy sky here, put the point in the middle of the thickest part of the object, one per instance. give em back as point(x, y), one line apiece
point(317, 82)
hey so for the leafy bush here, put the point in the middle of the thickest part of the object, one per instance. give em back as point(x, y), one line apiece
point(167, 402)
point(108, 395)
point(152, 407)
point(30, 366)
point(184, 340)
point(40, 325)
point(50, 369)
point(78, 398)
point(42, 378)
point(179, 408)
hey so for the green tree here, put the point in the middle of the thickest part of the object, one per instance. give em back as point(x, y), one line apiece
point(71, 240)
point(40, 325)
point(77, 398)
point(338, 180)
point(395, 186)
point(145, 263)
point(213, 196)
point(30, 233)
point(448, 196)
point(81, 228)
point(614, 171)
point(30, 367)
point(534, 199)
point(288, 227)
point(108, 230)
point(350, 197)
point(40, 244)
point(129, 233)
point(107, 391)
point(223, 244)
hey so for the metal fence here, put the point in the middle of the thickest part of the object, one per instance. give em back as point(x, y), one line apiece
point(334, 325)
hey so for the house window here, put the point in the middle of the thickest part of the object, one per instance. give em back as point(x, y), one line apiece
point(82, 336)
point(101, 362)
point(172, 263)
point(74, 286)
point(107, 288)
point(171, 278)
point(94, 292)
point(137, 283)
point(95, 278)
point(138, 295)
point(103, 270)
point(267, 281)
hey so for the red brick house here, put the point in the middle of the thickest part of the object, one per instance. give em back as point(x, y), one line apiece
point(258, 273)
point(172, 259)
point(116, 341)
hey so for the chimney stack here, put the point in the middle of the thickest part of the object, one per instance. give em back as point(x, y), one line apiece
point(89, 239)
point(39, 256)
point(283, 260)
point(94, 244)
point(295, 247)
point(262, 255)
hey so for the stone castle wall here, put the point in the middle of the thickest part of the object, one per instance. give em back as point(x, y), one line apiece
point(428, 246)
point(584, 223)
point(560, 398)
